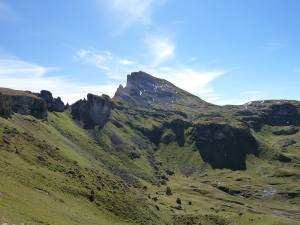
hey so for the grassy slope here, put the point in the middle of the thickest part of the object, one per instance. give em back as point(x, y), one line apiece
point(49, 169)
point(267, 193)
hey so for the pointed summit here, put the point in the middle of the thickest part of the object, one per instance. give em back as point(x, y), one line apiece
point(146, 91)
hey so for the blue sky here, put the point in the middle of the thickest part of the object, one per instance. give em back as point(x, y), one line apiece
point(226, 52)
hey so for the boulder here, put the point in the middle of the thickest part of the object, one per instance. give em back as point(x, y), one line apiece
point(168, 191)
point(134, 155)
point(170, 172)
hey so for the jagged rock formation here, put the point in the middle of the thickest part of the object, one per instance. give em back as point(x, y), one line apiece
point(53, 104)
point(24, 103)
point(94, 111)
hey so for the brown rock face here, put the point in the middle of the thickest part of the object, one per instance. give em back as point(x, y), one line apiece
point(94, 111)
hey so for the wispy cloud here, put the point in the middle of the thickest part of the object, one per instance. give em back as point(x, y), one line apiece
point(126, 62)
point(91, 56)
point(161, 48)
point(113, 67)
point(7, 12)
point(21, 75)
point(193, 80)
point(132, 12)
point(16, 67)
point(273, 46)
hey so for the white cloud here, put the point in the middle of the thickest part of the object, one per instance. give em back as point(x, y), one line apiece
point(126, 62)
point(90, 56)
point(161, 48)
point(131, 12)
point(114, 67)
point(192, 80)
point(22, 75)
point(15, 67)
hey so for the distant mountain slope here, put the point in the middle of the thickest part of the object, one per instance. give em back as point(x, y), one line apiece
point(153, 154)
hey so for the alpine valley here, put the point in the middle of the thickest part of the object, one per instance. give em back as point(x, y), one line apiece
point(153, 154)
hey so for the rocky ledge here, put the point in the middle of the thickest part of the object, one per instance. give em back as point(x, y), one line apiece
point(220, 145)
point(27, 103)
point(24, 103)
point(270, 112)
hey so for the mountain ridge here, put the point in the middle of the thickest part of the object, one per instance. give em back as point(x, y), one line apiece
point(131, 160)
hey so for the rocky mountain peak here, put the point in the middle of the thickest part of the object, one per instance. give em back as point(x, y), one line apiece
point(144, 80)
point(146, 91)
point(139, 83)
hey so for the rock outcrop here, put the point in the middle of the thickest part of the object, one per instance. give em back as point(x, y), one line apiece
point(95, 111)
point(53, 104)
point(223, 146)
point(269, 112)
point(282, 114)
point(24, 103)
point(289, 131)
point(220, 145)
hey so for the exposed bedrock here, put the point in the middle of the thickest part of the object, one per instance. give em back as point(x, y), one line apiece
point(220, 145)
point(271, 112)
point(95, 111)
point(224, 146)
point(53, 104)
point(22, 104)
